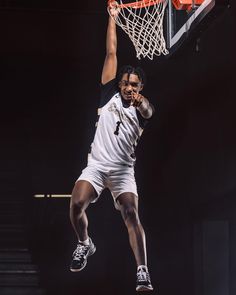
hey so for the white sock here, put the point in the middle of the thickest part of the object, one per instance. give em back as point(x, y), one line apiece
point(86, 242)
point(142, 267)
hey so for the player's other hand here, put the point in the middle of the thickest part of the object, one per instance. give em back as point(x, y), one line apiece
point(113, 8)
point(137, 99)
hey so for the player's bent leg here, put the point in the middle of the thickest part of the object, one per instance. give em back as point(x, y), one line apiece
point(83, 193)
point(129, 210)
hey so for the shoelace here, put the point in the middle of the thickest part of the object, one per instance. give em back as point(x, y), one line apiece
point(80, 251)
point(142, 276)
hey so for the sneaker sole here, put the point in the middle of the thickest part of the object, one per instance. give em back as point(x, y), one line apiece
point(144, 288)
point(85, 263)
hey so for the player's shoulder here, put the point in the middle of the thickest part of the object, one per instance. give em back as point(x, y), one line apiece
point(108, 90)
point(109, 84)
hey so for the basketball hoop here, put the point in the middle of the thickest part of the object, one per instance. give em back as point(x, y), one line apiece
point(142, 21)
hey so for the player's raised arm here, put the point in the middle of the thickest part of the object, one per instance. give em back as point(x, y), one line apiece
point(110, 63)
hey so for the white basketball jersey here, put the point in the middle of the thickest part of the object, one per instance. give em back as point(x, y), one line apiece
point(118, 130)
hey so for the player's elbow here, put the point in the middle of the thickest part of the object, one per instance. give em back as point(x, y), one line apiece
point(147, 114)
point(111, 54)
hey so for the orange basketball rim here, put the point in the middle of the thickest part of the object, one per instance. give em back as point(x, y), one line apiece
point(178, 4)
point(137, 4)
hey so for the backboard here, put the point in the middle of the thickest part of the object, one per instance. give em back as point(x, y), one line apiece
point(180, 22)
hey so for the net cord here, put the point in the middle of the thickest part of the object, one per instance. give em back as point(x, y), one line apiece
point(144, 26)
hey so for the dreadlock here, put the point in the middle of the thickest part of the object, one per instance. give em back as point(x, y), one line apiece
point(127, 69)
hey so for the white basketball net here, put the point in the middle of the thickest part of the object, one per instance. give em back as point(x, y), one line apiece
point(144, 25)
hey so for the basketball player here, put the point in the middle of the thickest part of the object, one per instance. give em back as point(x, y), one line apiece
point(123, 113)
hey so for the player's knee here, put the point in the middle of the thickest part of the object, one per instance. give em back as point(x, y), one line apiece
point(79, 199)
point(78, 203)
point(131, 215)
point(78, 206)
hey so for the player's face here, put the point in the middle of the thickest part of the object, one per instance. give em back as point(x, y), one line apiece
point(128, 85)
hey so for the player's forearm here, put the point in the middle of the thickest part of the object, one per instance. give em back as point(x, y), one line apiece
point(111, 39)
point(145, 109)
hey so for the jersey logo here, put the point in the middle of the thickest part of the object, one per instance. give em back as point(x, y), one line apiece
point(113, 108)
point(123, 117)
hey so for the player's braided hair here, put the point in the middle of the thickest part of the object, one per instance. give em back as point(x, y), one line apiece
point(127, 69)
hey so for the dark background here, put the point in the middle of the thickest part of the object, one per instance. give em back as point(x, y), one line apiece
point(51, 56)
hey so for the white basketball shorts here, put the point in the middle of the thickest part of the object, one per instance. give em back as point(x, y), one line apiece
point(118, 180)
